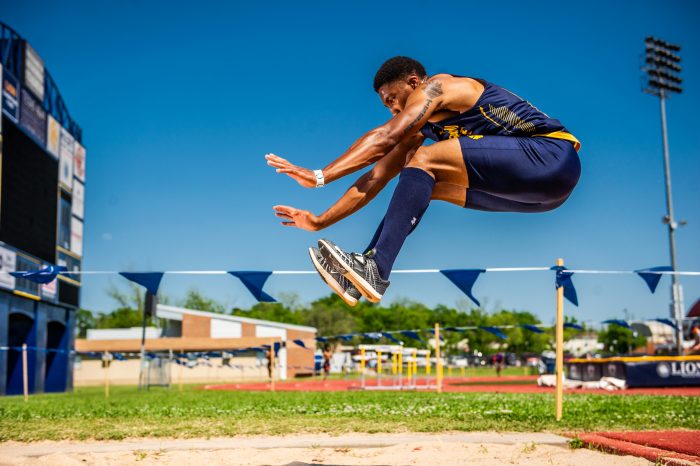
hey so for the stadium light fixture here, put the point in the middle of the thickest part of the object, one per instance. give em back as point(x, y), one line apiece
point(662, 78)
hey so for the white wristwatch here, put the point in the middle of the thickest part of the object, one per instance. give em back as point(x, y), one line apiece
point(320, 181)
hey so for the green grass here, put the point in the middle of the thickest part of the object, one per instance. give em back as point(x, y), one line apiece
point(85, 414)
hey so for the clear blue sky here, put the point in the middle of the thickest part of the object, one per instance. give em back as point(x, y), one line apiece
point(179, 102)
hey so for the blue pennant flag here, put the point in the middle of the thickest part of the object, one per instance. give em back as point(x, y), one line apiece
point(432, 330)
point(532, 328)
point(666, 321)
point(618, 322)
point(411, 334)
point(255, 281)
point(372, 335)
point(573, 325)
point(148, 280)
point(322, 339)
point(43, 276)
point(563, 279)
point(119, 356)
point(494, 331)
point(299, 343)
point(454, 329)
point(652, 279)
point(391, 337)
point(464, 279)
point(346, 337)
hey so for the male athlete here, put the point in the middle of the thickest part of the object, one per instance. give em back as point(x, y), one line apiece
point(494, 152)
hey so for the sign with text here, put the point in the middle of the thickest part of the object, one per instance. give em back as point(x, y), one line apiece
point(53, 135)
point(10, 97)
point(76, 236)
point(65, 159)
point(8, 263)
point(33, 117)
point(78, 204)
point(79, 162)
point(33, 71)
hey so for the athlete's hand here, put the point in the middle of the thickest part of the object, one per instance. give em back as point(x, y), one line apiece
point(301, 175)
point(297, 218)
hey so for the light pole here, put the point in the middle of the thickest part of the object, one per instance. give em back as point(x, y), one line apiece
point(662, 78)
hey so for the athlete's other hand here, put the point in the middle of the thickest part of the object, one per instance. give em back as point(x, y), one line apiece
point(301, 175)
point(297, 218)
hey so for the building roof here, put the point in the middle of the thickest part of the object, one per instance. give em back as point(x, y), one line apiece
point(175, 313)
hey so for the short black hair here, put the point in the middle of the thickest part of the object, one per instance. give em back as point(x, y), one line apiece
point(397, 68)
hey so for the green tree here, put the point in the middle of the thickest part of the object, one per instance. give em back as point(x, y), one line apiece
point(197, 301)
point(620, 340)
point(122, 317)
point(84, 320)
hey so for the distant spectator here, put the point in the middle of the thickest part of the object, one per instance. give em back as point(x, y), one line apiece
point(327, 355)
point(695, 336)
point(498, 363)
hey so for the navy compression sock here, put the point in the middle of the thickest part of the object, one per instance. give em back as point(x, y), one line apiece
point(409, 202)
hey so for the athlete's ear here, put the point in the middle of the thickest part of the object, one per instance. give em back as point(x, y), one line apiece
point(414, 81)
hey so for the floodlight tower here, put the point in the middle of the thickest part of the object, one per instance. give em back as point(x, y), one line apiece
point(662, 78)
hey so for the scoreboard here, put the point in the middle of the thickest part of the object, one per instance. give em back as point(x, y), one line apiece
point(42, 177)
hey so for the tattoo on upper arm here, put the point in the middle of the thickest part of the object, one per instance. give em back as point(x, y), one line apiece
point(420, 115)
point(433, 89)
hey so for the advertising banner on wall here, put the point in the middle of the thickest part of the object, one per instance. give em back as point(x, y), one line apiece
point(33, 117)
point(33, 71)
point(53, 135)
point(65, 160)
point(8, 263)
point(78, 204)
point(10, 97)
point(79, 162)
point(76, 236)
point(48, 290)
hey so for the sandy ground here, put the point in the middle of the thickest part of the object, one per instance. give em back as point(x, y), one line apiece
point(475, 448)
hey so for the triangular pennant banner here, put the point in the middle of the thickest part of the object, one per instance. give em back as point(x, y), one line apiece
point(255, 281)
point(432, 330)
point(532, 328)
point(666, 321)
point(43, 276)
point(454, 329)
point(563, 279)
point(347, 337)
point(464, 279)
point(391, 337)
point(411, 334)
point(618, 322)
point(372, 335)
point(573, 325)
point(148, 280)
point(322, 339)
point(652, 279)
point(494, 331)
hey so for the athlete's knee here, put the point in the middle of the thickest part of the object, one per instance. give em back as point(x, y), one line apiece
point(421, 160)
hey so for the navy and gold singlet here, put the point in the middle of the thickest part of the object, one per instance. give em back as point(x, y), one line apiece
point(499, 112)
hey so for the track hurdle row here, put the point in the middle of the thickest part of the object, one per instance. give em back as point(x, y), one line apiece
point(394, 359)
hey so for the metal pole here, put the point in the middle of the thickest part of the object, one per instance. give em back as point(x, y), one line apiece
point(25, 383)
point(559, 393)
point(676, 290)
point(438, 360)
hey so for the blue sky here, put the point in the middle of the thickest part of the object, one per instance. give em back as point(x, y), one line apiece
point(179, 102)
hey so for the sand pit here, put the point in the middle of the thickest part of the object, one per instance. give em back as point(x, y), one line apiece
point(357, 449)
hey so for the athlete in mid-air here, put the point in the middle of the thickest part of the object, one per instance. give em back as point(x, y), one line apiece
point(494, 152)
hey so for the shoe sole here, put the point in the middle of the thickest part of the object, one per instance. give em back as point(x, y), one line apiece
point(330, 281)
point(360, 283)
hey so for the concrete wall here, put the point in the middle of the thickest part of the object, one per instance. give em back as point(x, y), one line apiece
point(91, 373)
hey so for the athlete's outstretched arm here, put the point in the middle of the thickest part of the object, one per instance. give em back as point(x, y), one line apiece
point(360, 193)
point(376, 143)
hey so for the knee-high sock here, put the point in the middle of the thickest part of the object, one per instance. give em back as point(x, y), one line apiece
point(409, 202)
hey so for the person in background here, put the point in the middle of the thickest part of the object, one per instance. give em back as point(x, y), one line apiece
point(327, 355)
point(695, 336)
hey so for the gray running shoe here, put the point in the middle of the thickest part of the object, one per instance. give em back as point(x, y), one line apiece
point(361, 270)
point(334, 278)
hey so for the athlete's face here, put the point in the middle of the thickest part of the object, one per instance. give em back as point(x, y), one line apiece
point(395, 94)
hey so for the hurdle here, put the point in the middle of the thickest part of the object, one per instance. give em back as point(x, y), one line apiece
point(396, 357)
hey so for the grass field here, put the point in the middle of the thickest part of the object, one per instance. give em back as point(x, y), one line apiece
point(85, 414)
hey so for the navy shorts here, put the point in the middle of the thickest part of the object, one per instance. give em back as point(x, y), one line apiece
point(511, 174)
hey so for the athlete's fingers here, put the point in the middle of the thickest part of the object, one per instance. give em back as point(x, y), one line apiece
point(278, 164)
point(281, 215)
point(289, 224)
point(275, 158)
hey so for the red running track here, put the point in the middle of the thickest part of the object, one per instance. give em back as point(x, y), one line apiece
point(675, 448)
point(505, 384)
